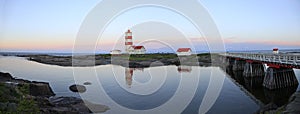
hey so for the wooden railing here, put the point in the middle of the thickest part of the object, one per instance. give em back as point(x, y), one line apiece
point(274, 58)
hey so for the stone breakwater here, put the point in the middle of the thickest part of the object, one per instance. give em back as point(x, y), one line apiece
point(23, 96)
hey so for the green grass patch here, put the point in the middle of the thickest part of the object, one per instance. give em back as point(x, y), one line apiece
point(18, 94)
point(24, 88)
point(8, 94)
point(28, 106)
point(148, 57)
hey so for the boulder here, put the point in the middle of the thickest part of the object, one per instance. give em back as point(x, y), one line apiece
point(87, 83)
point(12, 107)
point(74, 104)
point(77, 88)
point(96, 108)
point(40, 89)
point(3, 106)
point(5, 77)
point(294, 104)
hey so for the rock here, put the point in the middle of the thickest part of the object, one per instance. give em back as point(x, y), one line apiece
point(80, 107)
point(87, 83)
point(3, 106)
point(5, 77)
point(21, 81)
point(267, 108)
point(43, 101)
point(12, 107)
point(77, 88)
point(294, 104)
point(96, 108)
point(40, 93)
point(73, 104)
point(64, 101)
point(145, 63)
point(61, 110)
point(40, 89)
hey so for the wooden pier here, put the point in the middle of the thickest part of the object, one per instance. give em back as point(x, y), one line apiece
point(279, 74)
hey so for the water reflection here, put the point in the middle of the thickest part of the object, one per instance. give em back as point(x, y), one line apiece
point(252, 86)
point(183, 68)
point(154, 95)
point(135, 90)
point(129, 75)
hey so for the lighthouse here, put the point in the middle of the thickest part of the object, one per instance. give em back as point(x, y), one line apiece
point(128, 40)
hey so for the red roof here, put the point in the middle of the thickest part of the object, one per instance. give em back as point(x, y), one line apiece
point(128, 31)
point(183, 49)
point(128, 43)
point(275, 49)
point(137, 47)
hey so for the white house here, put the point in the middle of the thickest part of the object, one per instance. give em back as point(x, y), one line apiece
point(184, 51)
point(137, 50)
point(115, 52)
point(275, 51)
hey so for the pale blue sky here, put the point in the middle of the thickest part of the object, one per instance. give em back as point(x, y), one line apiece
point(52, 25)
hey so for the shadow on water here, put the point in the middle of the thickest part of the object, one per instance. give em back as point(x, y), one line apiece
point(252, 86)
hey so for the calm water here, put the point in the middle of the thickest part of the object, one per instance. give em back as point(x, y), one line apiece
point(166, 89)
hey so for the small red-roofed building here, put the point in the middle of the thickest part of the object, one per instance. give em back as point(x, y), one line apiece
point(275, 51)
point(137, 50)
point(115, 52)
point(184, 51)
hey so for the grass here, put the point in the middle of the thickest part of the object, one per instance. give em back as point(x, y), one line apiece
point(8, 94)
point(154, 56)
point(18, 95)
point(144, 57)
point(24, 89)
point(27, 105)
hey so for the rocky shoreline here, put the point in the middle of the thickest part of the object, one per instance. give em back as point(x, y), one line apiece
point(23, 96)
point(132, 61)
point(292, 107)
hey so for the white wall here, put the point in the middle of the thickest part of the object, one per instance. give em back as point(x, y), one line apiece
point(115, 52)
point(184, 53)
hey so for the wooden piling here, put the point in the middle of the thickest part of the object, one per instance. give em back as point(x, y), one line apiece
point(254, 70)
point(279, 78)
point(238, 65)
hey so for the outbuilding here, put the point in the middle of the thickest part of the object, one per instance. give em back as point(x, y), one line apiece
point(137, 50)
point(184, 51)
point(275, 51)
point(115, 52)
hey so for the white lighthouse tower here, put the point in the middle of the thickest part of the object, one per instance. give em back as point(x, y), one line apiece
point(128, 40)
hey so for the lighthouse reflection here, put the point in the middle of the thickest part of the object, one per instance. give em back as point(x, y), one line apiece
point(129, 75)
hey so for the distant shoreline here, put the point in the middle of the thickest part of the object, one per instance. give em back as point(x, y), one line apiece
point(14, 53)
point(132, 61)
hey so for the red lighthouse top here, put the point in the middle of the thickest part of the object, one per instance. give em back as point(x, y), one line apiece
point(128, 34)
point(275, 49)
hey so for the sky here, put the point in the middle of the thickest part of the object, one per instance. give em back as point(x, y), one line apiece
point(53, 25)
